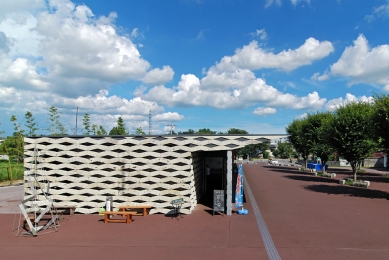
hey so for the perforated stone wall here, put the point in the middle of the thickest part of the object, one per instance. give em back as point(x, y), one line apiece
point(152, 170)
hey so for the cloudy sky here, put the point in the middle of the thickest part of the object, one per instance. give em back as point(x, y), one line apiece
point(249, 64)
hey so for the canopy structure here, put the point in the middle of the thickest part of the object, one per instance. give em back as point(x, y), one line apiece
point(145, 170)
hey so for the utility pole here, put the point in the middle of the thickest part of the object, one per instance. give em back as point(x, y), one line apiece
point(150, 127)
point(171, 128)
point(75, 131)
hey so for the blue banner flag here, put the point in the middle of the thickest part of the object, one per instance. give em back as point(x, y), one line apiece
point(239, 188)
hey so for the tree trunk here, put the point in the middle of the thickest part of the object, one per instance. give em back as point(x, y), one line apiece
point(323, 166)
point(355, 169)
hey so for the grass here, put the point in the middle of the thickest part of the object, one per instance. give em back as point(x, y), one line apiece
point(350, 183)
point(17, 171)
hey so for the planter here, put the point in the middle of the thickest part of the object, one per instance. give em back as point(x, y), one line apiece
point(364, 184)
point(330, 175)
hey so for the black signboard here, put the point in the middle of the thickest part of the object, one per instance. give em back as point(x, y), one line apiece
point(218, 201)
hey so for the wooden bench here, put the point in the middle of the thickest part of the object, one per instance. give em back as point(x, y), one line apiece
point(126, 214)
point(135, 208)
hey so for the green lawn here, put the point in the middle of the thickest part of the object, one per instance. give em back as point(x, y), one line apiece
point(17, 171)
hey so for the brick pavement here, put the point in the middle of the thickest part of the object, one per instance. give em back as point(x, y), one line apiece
point(308, 218)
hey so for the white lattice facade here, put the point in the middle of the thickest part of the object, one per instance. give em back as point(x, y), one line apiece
point(146, 170)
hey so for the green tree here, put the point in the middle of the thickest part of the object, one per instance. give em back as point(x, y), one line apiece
point(206, 131)
point(381, 122)
point(284, 150)
point(120, 129)
point(296, 137)
point(55, 125)
point(350, 131)
point(16, 125)
point(101, 131)
point(98, 130)
point(189, 132)
point(236, 131)
point(253, 149)
point(86, 124)
point(30, 124)
point(316, 137)
point(139, 131)
point(276, 153)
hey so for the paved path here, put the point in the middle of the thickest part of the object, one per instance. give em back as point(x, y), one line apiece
point(307, 217)
point(315, 218)
point(10, 198)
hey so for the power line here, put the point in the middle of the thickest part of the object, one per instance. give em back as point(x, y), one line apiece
point(171, 128)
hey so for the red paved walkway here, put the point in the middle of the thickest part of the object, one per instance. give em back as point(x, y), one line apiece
point(314, 218)
point(308, 218)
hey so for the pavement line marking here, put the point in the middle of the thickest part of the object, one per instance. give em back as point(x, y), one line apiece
point(267, 241)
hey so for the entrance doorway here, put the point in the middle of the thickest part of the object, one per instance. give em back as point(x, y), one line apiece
point(215, 172)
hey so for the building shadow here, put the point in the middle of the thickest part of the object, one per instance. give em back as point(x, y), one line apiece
point(349, 191)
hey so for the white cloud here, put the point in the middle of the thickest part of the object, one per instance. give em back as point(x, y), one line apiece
point(190, 92)
point(335, 103)
point(225, 75)
point(270, 2)
point(168, 117)
point(261, 34)
point(295, 2)
point(11, 6)
point(279, 2)
point(318, 77)
point(65, 48)
point(378, 12)
point(200, 35)
point(252, 57)
point(264, 111)
point(103, 109)
point(363, 64)
point(159, 76)
point(302, 116)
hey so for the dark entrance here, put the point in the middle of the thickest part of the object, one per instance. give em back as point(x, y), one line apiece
point(216, 162)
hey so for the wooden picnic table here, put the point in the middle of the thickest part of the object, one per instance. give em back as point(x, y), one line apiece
point(135, 208)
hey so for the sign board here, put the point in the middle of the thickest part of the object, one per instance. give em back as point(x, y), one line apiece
point(218, 201)
point(177, 201)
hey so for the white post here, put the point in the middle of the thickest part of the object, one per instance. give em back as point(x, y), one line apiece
point(229, 182)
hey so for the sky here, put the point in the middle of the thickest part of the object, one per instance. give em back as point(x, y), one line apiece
point(255, 65)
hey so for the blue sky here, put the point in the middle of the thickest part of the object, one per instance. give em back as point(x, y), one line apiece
point(255, 65)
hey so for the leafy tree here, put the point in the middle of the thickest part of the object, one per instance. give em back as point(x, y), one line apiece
point(55, 125)
point(206, 131)
point(30, 124)
point(276, 153)
point(139, 131)
point(316, 138)
point(189, 132)
point(120, 129)
point(16, 146)
point(296, 137)
point(16, 125)
point(236, 131)
point(86, 124)
point(284, 150)
point(253, 149)
point(381, 122)
point(98, 130)
point(350, 133)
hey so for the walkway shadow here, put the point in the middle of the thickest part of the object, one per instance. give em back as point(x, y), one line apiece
point(290, 171)
point(349, 191)
point(311, 178)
